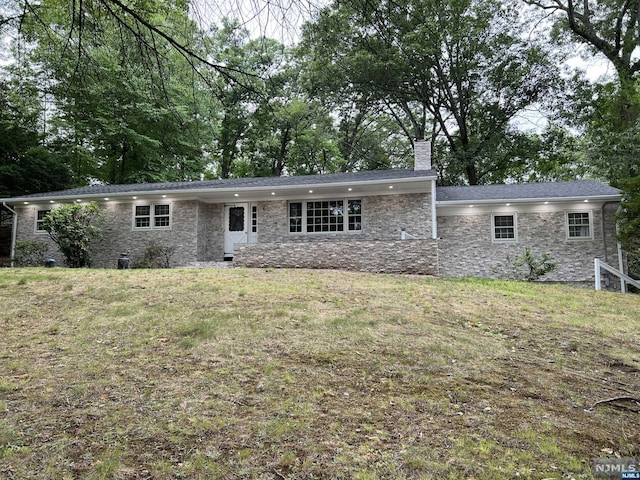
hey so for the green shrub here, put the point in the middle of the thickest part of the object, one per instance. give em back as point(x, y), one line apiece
point(156, 255)
point(528, 266)
point(30, 254)
point(73, 228)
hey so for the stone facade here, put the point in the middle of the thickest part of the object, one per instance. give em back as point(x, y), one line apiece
point(376, 248)
point(393, 256)
point(210, 232)
point(120, 237)
point(466, 247)
point(197, 228)
point(422, 155)
point(383, 218)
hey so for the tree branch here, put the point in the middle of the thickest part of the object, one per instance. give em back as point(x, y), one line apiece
point(616, 399)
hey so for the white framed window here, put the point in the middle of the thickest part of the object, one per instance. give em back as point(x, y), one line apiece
point(40, 214)
point(504, 227)
point(254, 219)
point(579, 225)
point(325, 216)
point(152, 216)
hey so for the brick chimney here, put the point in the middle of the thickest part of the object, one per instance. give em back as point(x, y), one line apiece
point(422, 155)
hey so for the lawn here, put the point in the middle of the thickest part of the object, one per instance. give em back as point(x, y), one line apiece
point(281, 374)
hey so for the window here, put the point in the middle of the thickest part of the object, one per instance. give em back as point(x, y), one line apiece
point(40, 220)
point(295, 217)
point(152, 216)
point(325, 216)
point(579, 225)
point(504, 228)
point(254, 219)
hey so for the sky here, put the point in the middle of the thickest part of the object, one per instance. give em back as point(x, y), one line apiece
point(277, 19)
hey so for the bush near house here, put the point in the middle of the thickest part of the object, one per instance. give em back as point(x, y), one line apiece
point(30, 254)
point(74, 228)
point(526, 266)
point(156, 255)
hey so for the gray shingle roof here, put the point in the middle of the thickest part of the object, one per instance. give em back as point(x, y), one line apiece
point(526, 191)
point(238, 183)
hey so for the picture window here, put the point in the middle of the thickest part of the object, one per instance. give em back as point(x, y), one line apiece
point(325, 216)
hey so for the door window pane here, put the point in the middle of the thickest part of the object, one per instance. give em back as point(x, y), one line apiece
point(236, 219)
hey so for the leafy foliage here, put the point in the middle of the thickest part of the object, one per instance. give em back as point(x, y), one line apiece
point(629, 231)
point(26, 166)
point(30, 254)
point(156, 255)
point(529, 266)
point(73, 228)
point(456, 70)
point(609, 111)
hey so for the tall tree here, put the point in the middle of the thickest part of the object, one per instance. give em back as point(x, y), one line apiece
point(267, 65)
point(131, 112)
point(610, 28)
point(611, 109)
point(26, 166)
point(459, 70)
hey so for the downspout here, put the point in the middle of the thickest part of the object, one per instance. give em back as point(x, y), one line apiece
point(14, 231)
point(434, 214)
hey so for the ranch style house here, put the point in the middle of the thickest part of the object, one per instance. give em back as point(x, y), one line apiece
point(395, 221)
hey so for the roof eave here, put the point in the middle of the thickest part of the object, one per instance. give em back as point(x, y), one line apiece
point(197, 192)
point(581, 198)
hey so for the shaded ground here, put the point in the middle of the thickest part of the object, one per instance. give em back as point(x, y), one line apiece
point(233, 373)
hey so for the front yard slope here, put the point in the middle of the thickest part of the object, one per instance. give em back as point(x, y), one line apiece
point(280, 374)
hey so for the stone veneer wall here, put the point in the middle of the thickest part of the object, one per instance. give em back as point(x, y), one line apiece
point(210, 232)
point(465, 247)
point(395, 256)
point(383, 218)
point(119, 236)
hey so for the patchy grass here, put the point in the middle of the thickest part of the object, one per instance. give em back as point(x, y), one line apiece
point(275, 374)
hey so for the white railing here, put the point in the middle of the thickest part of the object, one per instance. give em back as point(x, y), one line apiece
point(624, 279)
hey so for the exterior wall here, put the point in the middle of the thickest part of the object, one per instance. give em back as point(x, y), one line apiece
point(395, 256)
point(119, 236)
point(210, 232)
point(383, 218)
point(197, 230)
point(466, 248)
point(26, 230)
point(376, 248)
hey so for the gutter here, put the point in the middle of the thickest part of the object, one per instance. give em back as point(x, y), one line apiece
point(195, 192)
point(493, 201)
point(14, 231)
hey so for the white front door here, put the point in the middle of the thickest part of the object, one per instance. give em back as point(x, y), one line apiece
point(236, 224)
